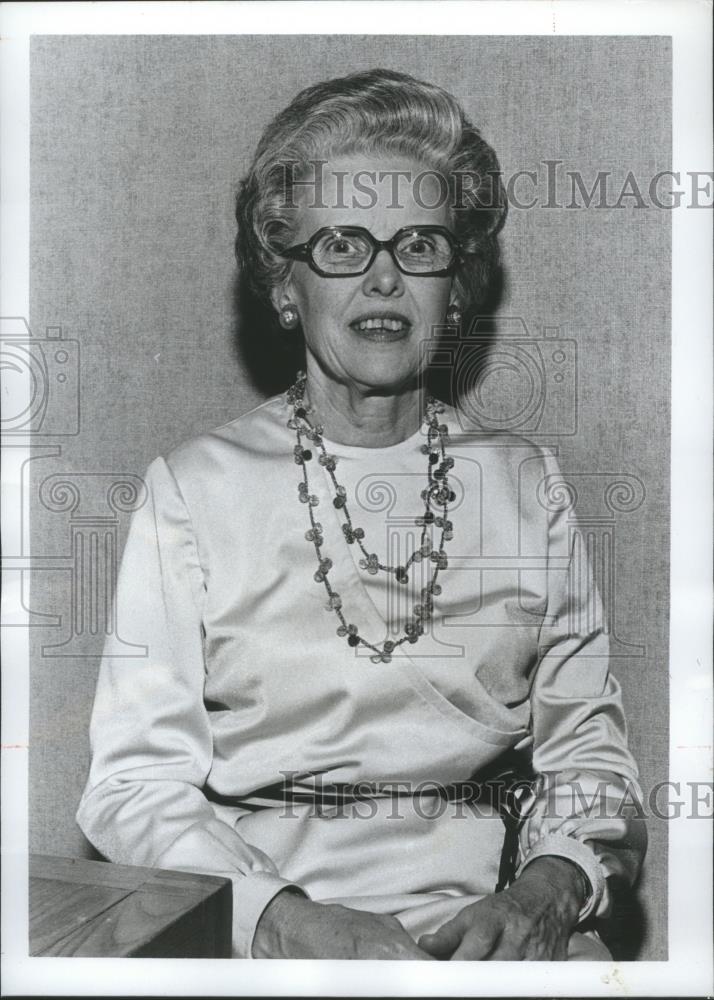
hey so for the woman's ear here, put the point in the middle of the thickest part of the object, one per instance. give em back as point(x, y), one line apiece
point(454, 312)
point(283, 303)
point(278, 298)
point(281, 296)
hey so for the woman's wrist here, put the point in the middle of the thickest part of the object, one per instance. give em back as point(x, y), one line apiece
point(276, 922)
point(557, 882)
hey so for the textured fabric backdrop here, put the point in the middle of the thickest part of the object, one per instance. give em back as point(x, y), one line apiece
point(137, 145)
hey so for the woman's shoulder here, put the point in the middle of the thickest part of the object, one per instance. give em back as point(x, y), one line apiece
point(502, 446)
point(256, 434)
point(510, 468)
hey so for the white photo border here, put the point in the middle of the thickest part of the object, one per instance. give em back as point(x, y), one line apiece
point(688, 970)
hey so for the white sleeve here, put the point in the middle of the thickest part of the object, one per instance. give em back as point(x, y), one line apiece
point(150, 733)
point(586, 806)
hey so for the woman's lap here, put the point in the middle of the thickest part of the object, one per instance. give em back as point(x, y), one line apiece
point(411, 868)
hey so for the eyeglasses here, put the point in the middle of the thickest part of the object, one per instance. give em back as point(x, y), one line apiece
point(345, 251)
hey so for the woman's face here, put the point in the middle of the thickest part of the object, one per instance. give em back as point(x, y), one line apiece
point(367, 330)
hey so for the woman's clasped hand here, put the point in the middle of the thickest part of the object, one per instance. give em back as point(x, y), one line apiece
point(531, 920)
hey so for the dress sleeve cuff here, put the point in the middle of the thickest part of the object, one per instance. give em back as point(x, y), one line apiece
point(559, 845)
point(251, 895)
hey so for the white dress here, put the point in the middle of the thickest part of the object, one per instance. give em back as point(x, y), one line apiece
point(240, 681)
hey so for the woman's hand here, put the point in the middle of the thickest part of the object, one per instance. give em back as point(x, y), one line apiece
point(531, 920)
point(294, 927)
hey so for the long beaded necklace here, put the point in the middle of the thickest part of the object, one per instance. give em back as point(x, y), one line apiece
point(437, 494)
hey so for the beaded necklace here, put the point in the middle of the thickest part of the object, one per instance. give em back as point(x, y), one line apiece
point(437, 494)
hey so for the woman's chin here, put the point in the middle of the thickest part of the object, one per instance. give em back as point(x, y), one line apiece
point(383, 363)
point(382, 376)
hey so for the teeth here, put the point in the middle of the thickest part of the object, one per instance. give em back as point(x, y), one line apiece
point(381, 323)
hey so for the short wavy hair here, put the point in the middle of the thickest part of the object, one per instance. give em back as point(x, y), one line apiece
point(379, 112)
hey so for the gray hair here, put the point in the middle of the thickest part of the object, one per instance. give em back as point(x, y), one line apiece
point(375, 112)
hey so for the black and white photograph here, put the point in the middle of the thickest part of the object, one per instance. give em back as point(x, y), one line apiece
point(356, 434)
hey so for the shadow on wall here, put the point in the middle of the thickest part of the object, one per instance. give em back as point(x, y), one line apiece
point(624, 930)
point(272, 356)
point(269, 354)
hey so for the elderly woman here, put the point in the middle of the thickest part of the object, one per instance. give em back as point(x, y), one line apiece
point(353, 610)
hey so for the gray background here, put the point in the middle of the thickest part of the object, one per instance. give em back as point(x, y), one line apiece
point(137, 145)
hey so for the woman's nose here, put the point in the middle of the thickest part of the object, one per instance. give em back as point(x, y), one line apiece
point(383, 277)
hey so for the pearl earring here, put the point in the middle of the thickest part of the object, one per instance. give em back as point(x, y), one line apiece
point(289, 318)
point(453, 316)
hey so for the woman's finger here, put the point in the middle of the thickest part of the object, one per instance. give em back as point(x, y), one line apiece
point(446, 938)
point(438, 945)
point(507, 950)
point(409, 948)
point(477, 944)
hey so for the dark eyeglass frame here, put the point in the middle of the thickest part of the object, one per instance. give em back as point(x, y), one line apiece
point(303, 251)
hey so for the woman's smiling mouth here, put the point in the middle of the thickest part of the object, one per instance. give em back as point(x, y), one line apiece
point(383, 327)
